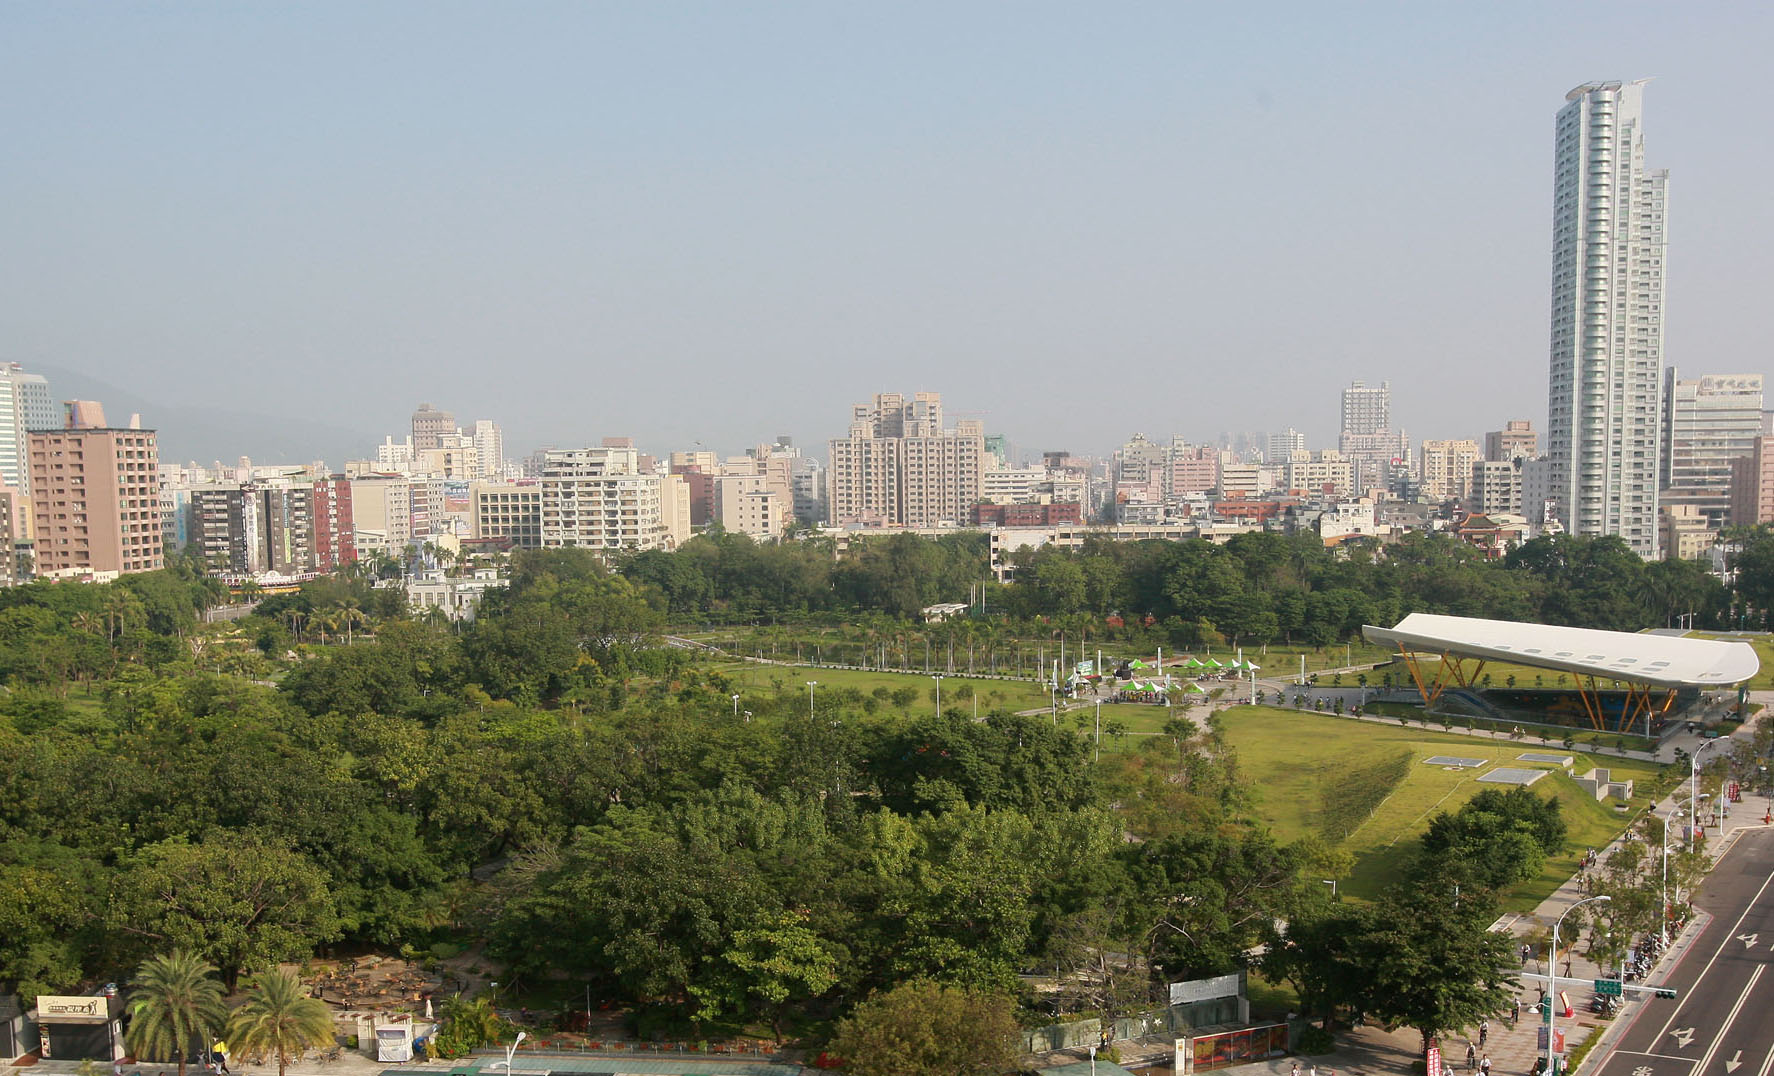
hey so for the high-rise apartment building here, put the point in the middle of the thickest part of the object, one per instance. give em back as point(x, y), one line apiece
point(1496, 487)
point(1608, 248)
point(1447, 469)
point(899, 467)
point(600, 499)
point(1515, 441)
point(429, 424)
point(95, 496)
point(489, 448)
point(1707, 424)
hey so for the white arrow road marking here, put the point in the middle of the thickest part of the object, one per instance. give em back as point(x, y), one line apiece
point(1736, 1059)
point(1706, 1058)
point(1748, 940)
point(1683, 1036)
point(1643, 1070)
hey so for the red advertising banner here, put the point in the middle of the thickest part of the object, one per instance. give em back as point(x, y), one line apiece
point(1235, 1047)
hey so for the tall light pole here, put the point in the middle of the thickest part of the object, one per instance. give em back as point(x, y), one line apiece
point(1694, 784)
point(1663, 926)
point(938, 678)
point(736, 704)
point(1552, 984)
point(811, 684)
point(510, 1052)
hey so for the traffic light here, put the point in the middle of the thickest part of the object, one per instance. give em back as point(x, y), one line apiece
point(1665, 993)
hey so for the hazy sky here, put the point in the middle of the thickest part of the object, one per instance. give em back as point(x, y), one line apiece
point(720, 222)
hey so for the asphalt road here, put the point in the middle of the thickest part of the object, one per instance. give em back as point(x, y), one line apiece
point(1720, 1024)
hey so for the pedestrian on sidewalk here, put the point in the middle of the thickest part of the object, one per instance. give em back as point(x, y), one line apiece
point(1471, 1056)
point(1517, 1019)
point(1484, 1032)
point(1484, 1067)
point(1296, 1069)
point(1526, 952)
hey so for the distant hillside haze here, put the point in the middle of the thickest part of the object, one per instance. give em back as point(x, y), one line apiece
point(202, 434)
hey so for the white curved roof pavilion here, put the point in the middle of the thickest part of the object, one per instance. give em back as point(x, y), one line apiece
point(1645, 663)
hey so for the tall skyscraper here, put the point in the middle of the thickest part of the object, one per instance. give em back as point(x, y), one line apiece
point(1608, 249)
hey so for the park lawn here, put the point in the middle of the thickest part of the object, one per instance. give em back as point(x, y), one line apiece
point(1297, 765)
point(993, 694)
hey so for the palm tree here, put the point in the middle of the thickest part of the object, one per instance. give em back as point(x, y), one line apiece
point(279, 1018)
point(176, 1002)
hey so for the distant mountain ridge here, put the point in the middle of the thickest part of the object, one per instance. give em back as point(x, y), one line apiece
point(187, 433)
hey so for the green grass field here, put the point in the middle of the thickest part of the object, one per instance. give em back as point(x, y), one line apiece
point(1301, 768)
point(992, 694)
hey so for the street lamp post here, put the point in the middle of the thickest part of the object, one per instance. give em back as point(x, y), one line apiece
point(1332, 882)
point(811, 684)
point(510, 1052)
point(1552, 982)
point(938, 678)
point(1694, 784)
point(736, 704)
point(1663, 927)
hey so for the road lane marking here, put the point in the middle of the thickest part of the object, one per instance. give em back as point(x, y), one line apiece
point(1682, 1037)
point(1751, 906)
point(1725, 1028)
point(1736, 1060)
point(1767, 1062)
point(1748, 940)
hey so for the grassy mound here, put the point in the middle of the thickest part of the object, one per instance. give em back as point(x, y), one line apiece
point(1348, 801)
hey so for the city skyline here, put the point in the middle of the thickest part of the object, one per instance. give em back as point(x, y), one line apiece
point(559, 214)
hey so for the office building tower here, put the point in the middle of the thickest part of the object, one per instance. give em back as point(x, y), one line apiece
point(24, 406)
point(1367, 410)
point(507, 511)
point(899, 466)
point(95, 496)
point(429, 424)
point(1283, 445)
point(1447, 470)
point(1608, 247)
point(1707, 424)
point(1367, 440)
point(1515, 441)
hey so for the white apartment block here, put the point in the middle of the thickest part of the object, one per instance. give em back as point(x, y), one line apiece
point(392, 455)
point(899, 467)
point(599, 499)
point(1608, 250)
point(1447, 469)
